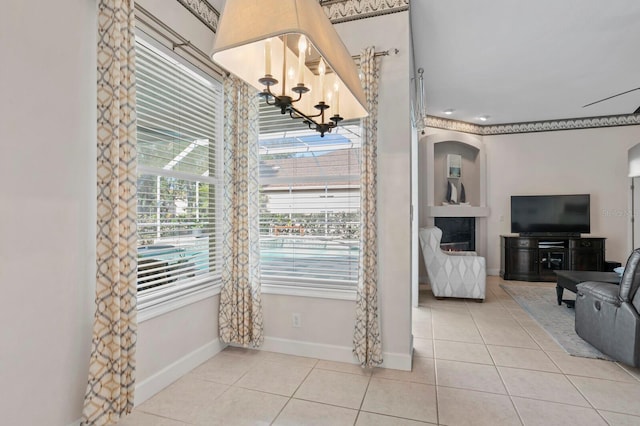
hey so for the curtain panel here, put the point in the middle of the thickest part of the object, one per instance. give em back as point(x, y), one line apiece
point(109, 394)
point(110, 388)
point(366, 338)
point(240, 315)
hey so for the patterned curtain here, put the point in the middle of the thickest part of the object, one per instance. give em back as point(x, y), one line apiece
point(366, 338)
point(110, 389)
point(240, 319)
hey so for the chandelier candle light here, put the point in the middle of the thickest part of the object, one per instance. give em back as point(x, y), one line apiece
point(255, 37)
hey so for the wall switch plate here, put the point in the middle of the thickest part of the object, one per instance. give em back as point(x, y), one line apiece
point(296, 320)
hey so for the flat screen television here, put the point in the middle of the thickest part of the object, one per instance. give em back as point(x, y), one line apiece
point(548, 215)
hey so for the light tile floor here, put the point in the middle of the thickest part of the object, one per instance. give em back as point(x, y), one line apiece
point(474, 364)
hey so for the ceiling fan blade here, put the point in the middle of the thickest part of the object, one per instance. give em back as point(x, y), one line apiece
point(637, 111)
point(611, 97)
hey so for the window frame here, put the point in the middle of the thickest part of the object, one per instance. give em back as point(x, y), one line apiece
point(161, 301)
point(310, 287)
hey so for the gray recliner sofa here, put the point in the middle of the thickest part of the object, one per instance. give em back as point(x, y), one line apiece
point(607, 314)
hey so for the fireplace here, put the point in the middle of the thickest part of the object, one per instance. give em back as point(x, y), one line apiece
point(458, 233)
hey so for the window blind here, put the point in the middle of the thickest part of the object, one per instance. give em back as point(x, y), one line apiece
point(179, 176)
point(309, 203)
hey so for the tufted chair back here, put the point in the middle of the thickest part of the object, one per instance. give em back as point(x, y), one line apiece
point(452, 274)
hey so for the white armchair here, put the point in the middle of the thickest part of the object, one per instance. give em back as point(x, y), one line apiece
point(452, 274)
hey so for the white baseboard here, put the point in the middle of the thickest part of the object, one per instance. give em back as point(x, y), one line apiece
point(163, 378)
point(495, 272)
point(308, 349)
point(330, 352)
point(396, 361)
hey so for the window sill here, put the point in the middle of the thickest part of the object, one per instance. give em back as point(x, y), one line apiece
point(178, 301)
point(149, 312)
point(323, 293)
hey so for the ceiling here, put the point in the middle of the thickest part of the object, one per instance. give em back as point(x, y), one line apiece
point(519, 61)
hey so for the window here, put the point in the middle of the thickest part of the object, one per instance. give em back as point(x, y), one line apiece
point(309, 203)
point(179, 176)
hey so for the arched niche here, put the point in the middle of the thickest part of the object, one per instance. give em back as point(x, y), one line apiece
point(433, 150)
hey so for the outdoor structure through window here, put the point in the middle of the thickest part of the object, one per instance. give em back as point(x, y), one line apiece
point(309, 203)
point(179, 113)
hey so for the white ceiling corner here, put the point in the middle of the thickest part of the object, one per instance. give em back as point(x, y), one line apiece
point(522, 61)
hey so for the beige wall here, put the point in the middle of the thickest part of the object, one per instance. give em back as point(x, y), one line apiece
point(592, 161)
point(47, 208)
point(394, 171)
point(47, 213)
point(323, 321)
point(589, 161)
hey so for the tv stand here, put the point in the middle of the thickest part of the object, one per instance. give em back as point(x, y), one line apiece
point(536, 258)
point(550, 234)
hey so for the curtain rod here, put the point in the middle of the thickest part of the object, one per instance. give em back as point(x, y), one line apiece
point(182, 43)
point(380, 53)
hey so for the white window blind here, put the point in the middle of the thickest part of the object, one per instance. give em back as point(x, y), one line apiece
point(309, 203)
point(179, 176)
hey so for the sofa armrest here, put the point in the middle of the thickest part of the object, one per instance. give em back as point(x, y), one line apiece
point(605, 292)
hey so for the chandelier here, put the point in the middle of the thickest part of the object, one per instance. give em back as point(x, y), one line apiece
point(289, 50)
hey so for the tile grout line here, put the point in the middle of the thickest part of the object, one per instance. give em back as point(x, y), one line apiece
point(518, 319)
point(566, 376)
point(619, 364)
point(364, 395)
point(557, 366)
point(435, 369)
point(511, 397)
point(504, 383)
point(294, 392)
point(159, 416)
point(617, 412)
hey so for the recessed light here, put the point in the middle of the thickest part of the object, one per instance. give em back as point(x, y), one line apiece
point(449, 111)
point(483, 118)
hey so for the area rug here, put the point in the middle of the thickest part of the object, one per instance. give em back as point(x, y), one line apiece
point(541, 303)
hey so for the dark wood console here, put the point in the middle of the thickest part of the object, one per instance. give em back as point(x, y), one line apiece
point(536, 258)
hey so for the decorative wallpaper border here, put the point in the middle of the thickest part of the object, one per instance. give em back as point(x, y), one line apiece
point(350, 10)
point(204, 11)
point(534, 126)
point(337, 10)
point(458, 126)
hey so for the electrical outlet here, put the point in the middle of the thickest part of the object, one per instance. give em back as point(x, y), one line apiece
point(296, 320)
point(501, 218)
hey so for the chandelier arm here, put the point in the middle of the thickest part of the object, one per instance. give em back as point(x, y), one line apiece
point(308, 118)
point(322, 127)
point(266, 99)
point(311, 116)
point(299, 97)
point(268, 90)
point(293, 115)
